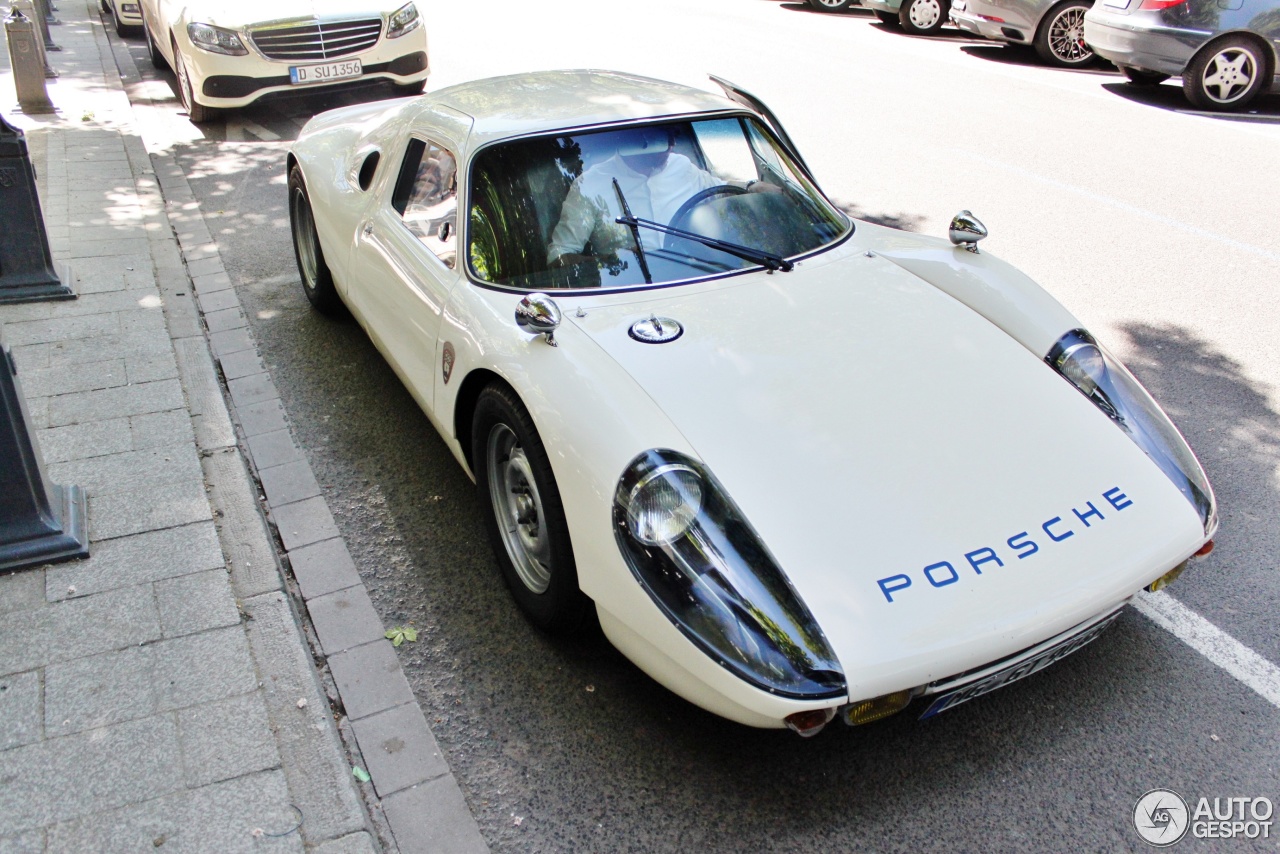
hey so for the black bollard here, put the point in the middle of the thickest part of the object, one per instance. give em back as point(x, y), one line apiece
point(26, 268)
point(40, 522)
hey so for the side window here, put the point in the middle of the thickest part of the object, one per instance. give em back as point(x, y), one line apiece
point(426, 197)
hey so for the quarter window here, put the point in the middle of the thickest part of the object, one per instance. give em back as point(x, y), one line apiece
point(426, 197)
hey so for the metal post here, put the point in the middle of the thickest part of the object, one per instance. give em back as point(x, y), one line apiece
point(26, 266)
point(45, 19)
point(40, 522)
point(26, 57)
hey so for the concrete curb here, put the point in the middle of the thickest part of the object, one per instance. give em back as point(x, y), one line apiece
point(420, 799)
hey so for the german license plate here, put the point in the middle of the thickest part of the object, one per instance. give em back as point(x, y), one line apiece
point(1017, 671)
point(324, 73)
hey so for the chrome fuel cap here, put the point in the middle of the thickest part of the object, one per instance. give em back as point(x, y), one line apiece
point(656, 330)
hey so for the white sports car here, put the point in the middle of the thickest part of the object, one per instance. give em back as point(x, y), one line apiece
point(798, 466)
point(230, 53)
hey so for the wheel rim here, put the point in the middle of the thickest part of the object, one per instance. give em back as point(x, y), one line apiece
point(184, 84)
point(1066, 36)
point(518, 508)
point(1229, 75)
point(832, 4)
point(304, 238)
point(925, 13)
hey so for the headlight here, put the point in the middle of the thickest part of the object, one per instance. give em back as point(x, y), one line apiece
point(1105, 381)
point(695, 554)
point(404, 20)
point(216, 39)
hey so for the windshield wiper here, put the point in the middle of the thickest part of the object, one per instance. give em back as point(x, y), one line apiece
point(628, 219)
point(746, 253)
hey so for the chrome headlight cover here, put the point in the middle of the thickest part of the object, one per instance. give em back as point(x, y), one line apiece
point(216, 39)
point(403, 20)
point(711, 575)
point(1101, 377)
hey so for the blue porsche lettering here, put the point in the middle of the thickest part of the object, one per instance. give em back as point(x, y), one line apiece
point(943, 573)
point(978, 557)
point(1024, 545)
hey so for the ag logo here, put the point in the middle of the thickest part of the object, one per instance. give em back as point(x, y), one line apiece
point(1161, 817)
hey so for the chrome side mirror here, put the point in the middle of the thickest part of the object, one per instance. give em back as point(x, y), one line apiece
point(966, 230)
point(539, 314)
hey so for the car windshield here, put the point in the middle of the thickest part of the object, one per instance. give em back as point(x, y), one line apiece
point(644, 204)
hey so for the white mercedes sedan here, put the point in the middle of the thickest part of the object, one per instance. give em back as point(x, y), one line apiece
point(229, 54)
point(798, 466)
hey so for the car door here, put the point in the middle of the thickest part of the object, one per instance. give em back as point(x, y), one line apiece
point(404, 264)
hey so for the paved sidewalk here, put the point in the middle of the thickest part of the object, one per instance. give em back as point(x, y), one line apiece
point(162, 695)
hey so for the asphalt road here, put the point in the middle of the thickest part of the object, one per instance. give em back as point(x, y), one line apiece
point(1156, 225)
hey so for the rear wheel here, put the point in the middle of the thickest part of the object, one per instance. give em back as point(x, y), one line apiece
point(886, 17)
point(923, 17)
point(523, 512)
point(1060, 40)
point(830, 5)
point(1138, 77)
point(317, 281)
point(1226, 75)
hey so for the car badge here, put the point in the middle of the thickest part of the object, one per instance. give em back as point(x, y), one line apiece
point(446, 361)
point(656, 330)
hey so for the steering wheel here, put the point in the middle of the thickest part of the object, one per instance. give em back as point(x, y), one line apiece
point(686, 210)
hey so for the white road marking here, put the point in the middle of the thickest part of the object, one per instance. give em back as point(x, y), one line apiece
point(1204, 637)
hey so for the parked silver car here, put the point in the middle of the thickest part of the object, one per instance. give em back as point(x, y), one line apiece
point(1226, 51)
point(1054, 27)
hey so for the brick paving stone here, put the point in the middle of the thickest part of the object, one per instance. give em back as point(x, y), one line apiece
point(226, 739)
point(304, 522)
point(145, 369)
point(355, 843)
point(242, 364)
point(227, 318)
point(196, 603)
point(398, 749)
point(231, 341)
point(60, 329)
point(205, 266)
point(90, 772)
point(323, 567)
point(115, 402)
point(201, 668)
point(120, 514)
point(98, 690)
point(274, 449)
point(20, 716)
point(344, 619)
point(219, 300)
point(141, 558)
point(56, 632)
point(131, 470)
point(21, 590)
point(252, 389)
point(31, 842)
point(433, 817)
point(262, 417)
point(84, 441)
point(160, 428)
point(285, 484)
point(369, 679)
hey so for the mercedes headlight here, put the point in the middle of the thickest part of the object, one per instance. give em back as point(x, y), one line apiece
point(216, 39)
point(1101, 377)
point(695, 554)
point(403, 20)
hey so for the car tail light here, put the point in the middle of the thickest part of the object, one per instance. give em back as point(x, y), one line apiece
point(1160, 4)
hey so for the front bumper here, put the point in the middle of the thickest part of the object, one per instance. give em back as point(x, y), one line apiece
point(228, 82)
point(1132, 41)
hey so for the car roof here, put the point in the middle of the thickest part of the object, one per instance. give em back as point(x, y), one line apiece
point(521, 104)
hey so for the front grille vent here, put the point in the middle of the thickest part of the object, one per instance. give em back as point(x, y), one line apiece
point(316, 41)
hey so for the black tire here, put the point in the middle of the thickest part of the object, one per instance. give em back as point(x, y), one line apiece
point(1226, 74)
point(1060, 39)
point(1138, 77)
point(197, 112)
point(153, 50)
point(515, 482)
point(830, 5)
point(123, 30)
point(923, 17)
point(407, 89)
point(890, 18)
point(104, 6)
point(317, 280)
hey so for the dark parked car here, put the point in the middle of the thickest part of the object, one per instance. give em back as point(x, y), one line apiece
point(1224, 50)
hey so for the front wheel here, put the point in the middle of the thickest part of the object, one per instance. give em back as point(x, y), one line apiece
point(1060, 40)
point(830, 5)
point(923, 17)
point(523, 512)
point(198, 113)
point(1138, 77)
point(1226, 75)
point(317, 281)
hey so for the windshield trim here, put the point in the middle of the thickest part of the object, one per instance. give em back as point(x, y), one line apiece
point(464, 209)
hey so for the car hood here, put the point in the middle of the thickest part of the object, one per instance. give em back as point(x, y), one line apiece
point(234, 14)
point(870, 426)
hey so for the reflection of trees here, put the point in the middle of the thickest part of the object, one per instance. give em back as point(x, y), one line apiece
point(1199, 15)
point(1267, 23)
point(515, 198)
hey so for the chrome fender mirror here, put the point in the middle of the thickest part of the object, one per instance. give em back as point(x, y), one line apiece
point(539, 314)
point(966, 230)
